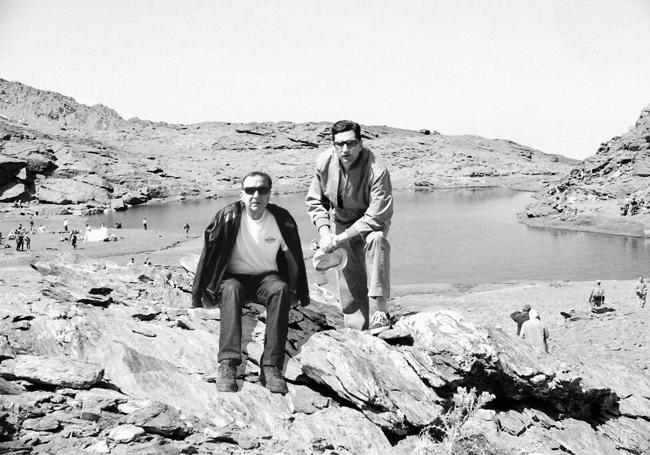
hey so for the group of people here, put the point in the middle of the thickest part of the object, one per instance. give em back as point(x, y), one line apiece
point(252, 251)
point(21, 237)
point(531, 328)
point(597, 296)
point(632, 206)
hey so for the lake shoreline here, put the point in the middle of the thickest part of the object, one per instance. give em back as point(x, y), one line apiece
point(594, 224)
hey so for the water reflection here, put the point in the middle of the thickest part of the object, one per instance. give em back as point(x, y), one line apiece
point(450, 236)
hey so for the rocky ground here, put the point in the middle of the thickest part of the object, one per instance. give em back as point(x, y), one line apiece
point(100, 357)
point(57, 151)
point(593, 196)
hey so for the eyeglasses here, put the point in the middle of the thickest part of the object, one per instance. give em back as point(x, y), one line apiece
point(352, 143)
point(260, 189)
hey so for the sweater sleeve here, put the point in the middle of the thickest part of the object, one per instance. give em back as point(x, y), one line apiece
point(317, 203)
point(380, 210)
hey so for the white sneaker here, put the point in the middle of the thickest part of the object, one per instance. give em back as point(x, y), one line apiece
point(380, 322)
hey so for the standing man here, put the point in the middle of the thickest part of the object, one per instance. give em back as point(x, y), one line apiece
point(65, 224)
point(641, 290)
point(597, 296)
point(350, 201)
point(534, 331)
point(252, 251)
point(144, 223)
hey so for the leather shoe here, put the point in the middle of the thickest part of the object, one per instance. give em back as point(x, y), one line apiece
point(271, 378)
point(226, 376)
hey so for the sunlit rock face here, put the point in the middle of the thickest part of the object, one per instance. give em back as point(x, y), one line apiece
point(608, 192)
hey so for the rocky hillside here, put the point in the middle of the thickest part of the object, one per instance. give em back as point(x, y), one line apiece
point(57, 151)
point(608, 192)
point(105, 359)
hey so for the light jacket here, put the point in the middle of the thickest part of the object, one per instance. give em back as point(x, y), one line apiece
point(365, 202)
point(219, 241)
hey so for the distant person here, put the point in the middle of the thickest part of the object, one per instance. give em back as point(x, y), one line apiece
point(535, 333)
point(144, 224)
point(641, 290)
point(132, 262)
point(147, 261)
point(252, 251)
point(31, 223)
point(73, 240)
point(118, 225)
point(521, 316)
point(597, 296)
point(186, 228)
point(350, 201)
point(28, 242)
point(65, 224)
point(0, 238)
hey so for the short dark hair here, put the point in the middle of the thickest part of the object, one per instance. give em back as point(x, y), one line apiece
point(346, 125)
point(264, 175)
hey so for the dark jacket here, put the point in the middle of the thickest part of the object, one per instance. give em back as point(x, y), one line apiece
point(219, 242)
point(520, 317)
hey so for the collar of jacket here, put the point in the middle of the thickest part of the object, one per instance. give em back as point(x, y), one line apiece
point(335, 169)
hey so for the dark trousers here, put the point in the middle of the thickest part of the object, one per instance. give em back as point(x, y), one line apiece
point(269, 290)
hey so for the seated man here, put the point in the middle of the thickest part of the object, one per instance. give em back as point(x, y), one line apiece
point(252, 251)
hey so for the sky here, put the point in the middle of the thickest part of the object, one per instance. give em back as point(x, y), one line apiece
point(560, 76)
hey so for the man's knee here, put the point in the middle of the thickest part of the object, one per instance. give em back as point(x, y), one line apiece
point(278, 287)
point(377, 238)
point(231, 289)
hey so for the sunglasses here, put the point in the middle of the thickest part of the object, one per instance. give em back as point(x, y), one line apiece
point(250, 190)
point(352, 143)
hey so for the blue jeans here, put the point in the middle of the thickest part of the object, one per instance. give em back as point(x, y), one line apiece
point(268, 289)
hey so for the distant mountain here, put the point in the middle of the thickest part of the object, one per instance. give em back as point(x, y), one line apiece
point(55, 150)
point(594, 194)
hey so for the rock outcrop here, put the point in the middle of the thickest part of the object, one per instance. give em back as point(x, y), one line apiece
point(608, 192)
point(53, 137)
point(112, 359)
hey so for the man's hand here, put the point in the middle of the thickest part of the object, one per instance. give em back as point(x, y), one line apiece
point(329, 242)
point(326, 242)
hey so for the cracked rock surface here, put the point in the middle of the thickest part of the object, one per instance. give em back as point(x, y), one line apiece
point(137, 376)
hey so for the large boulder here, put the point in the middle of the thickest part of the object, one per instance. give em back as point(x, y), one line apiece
point(83, 188)
point(58, 372)
point(370, 374)
point(12, 178)
point(452, 351)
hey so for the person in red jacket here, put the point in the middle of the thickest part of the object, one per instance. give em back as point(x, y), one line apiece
point(252, 251)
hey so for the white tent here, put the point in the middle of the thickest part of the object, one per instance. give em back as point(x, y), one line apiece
point(96, 235)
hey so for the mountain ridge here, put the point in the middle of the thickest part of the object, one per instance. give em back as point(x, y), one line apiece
point(132, 161)
point(597, 194)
